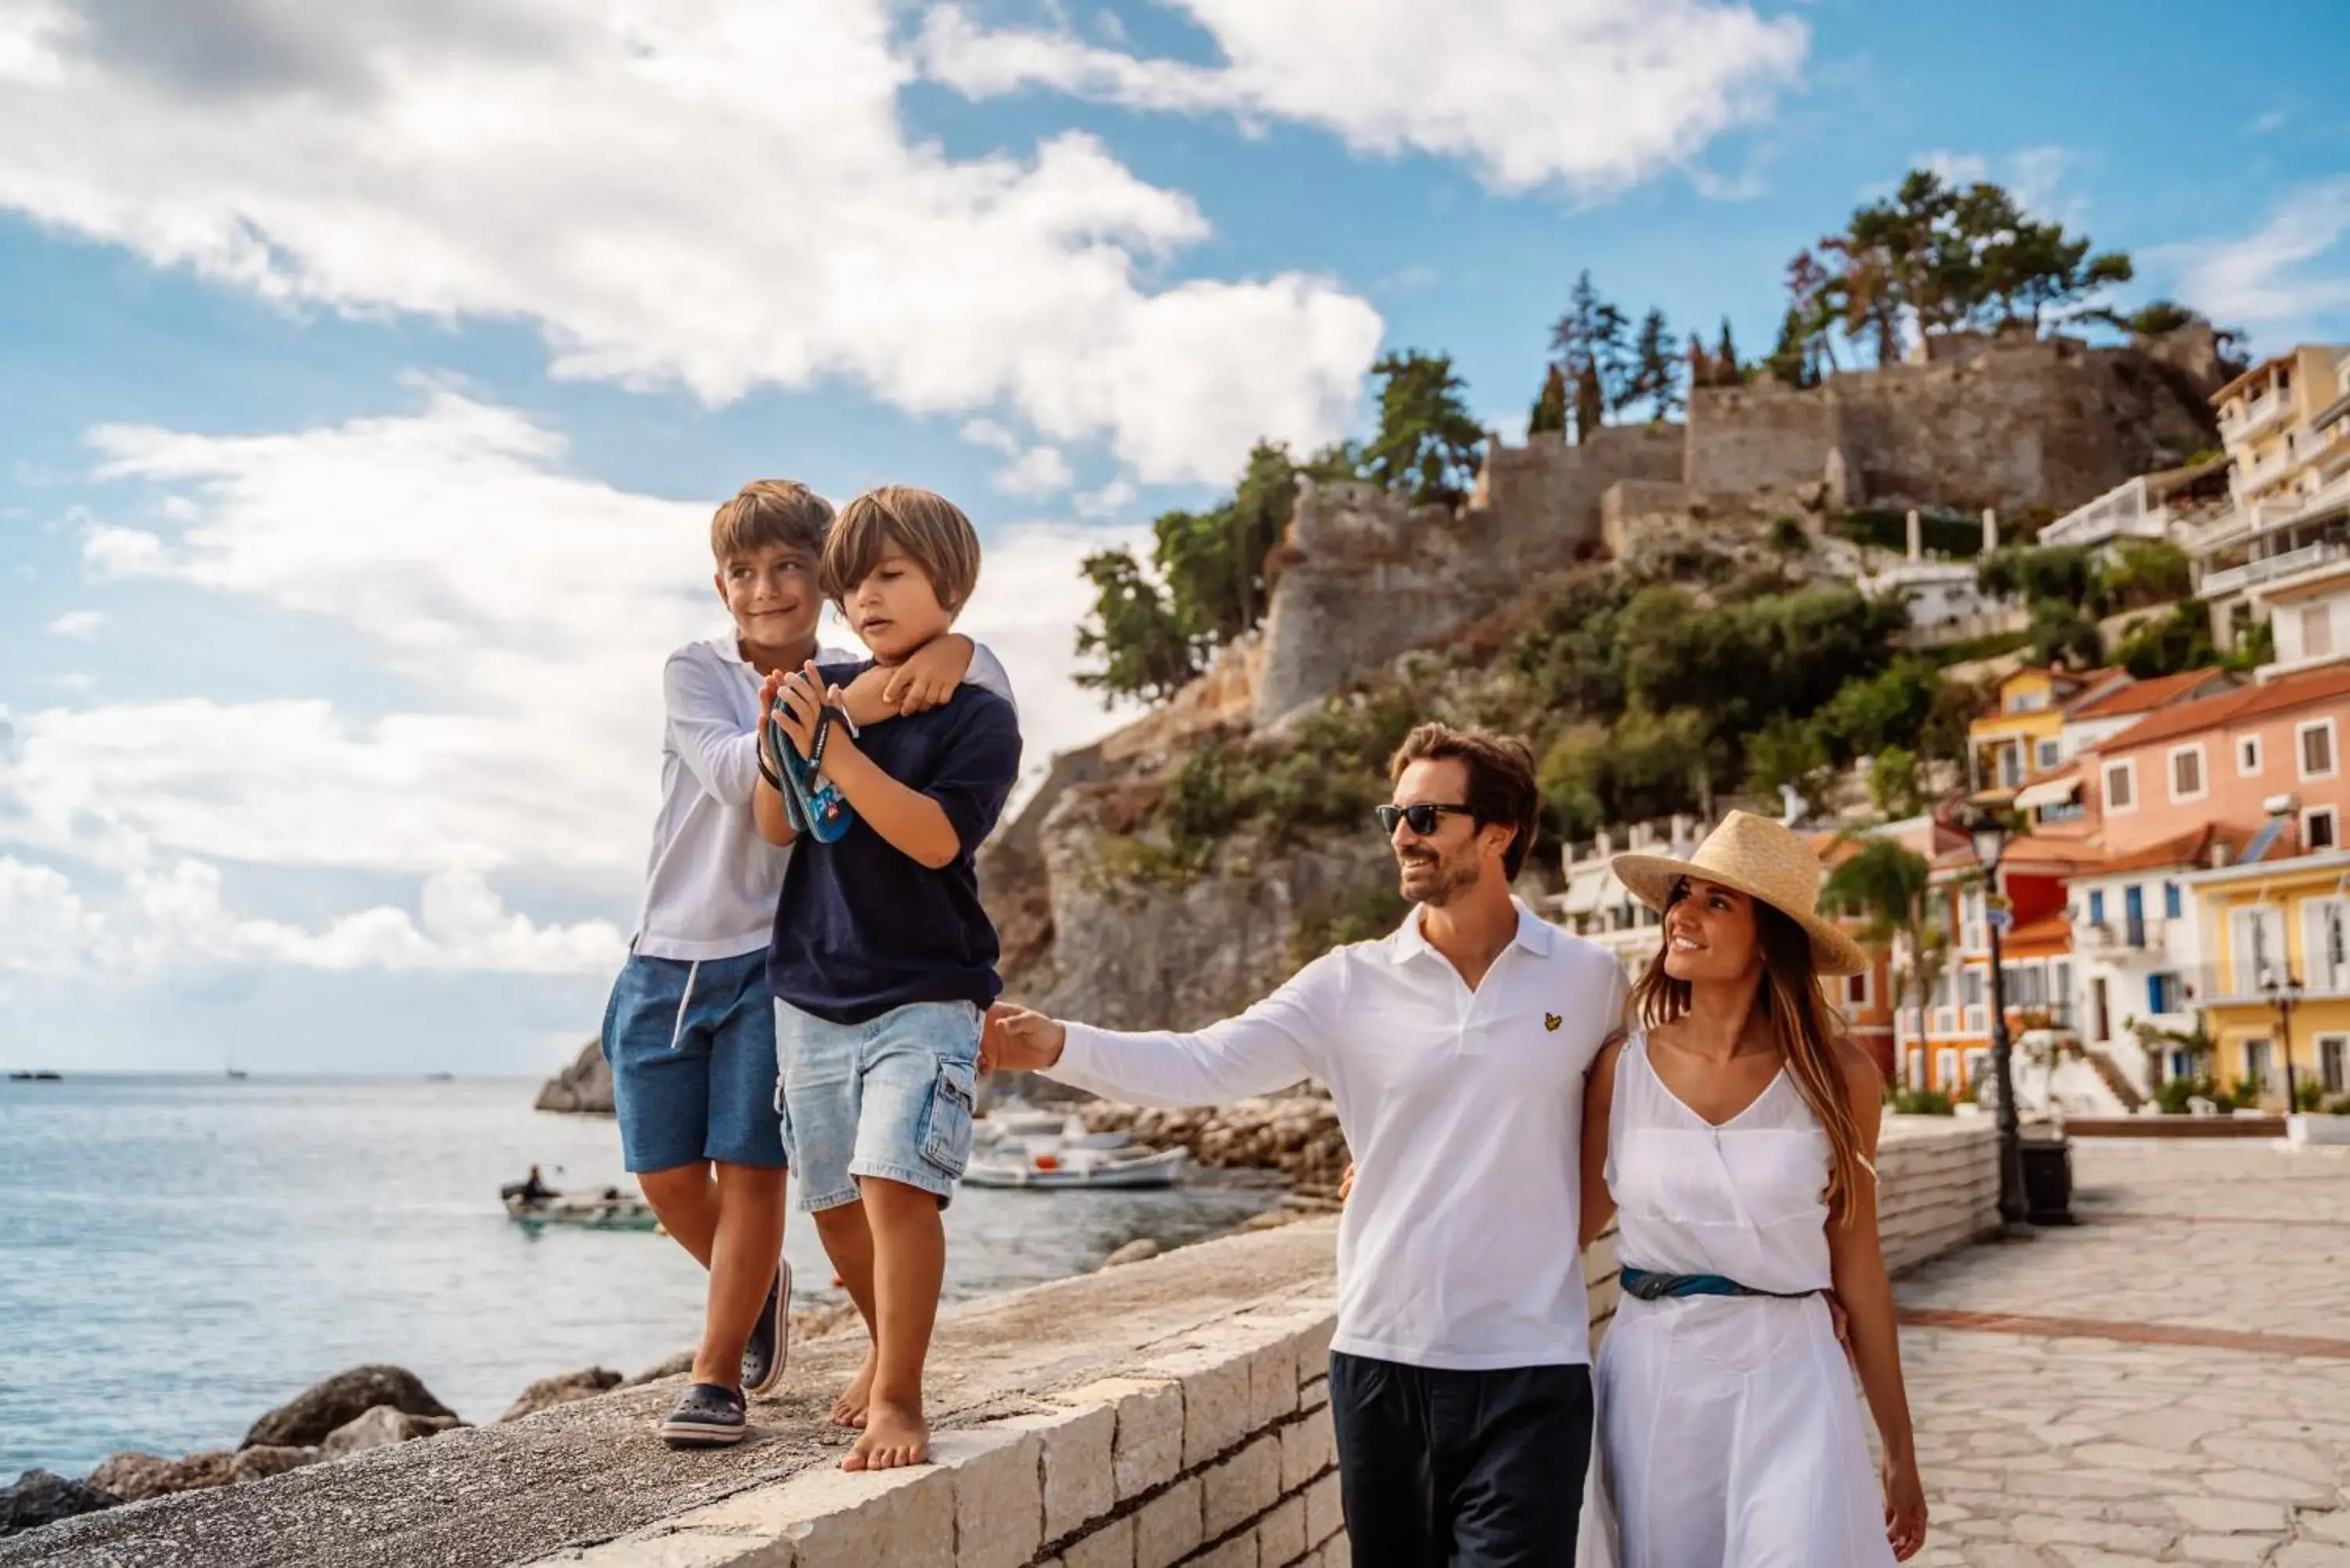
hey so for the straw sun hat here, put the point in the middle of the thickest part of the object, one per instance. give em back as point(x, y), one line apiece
point(1763, 860)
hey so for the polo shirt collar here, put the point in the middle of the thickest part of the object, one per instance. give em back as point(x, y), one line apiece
point(1535, 934)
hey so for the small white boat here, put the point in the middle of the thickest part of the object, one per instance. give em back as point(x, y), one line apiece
point(1071, 1167)
point(599, 1212)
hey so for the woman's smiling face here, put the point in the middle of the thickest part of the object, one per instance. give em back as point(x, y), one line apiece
point(1711, 933)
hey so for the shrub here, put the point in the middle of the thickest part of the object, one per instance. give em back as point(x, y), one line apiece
point(1922, 1103)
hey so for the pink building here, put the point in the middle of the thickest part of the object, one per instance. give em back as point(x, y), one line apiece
point(2224, 760)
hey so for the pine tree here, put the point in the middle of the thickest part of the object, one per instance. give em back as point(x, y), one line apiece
point(1655, 374)
point(1427, 441)
point(1727, 370)
point(1549, 413)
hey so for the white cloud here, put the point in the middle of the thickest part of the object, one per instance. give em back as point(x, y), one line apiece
point(1109, 501)
point(720, 197)
point(524, 613)
point(82, 625)
point(1592, 95)
point(172, 920)
point(2292, 274)
point(1039, 470)
point(1032, 471)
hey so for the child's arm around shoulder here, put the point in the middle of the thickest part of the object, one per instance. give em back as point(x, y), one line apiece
point(952, 813)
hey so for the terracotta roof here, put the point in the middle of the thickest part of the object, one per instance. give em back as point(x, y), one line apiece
point(2234, 708)
point(2192, 847)
point(2050, 928)
point(2145, 696)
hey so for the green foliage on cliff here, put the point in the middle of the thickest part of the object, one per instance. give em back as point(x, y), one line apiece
point(1938, 258)
point(1152, 629)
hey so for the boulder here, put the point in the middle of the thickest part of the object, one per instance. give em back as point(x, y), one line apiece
point(135, 1477)
point(261, 1463)
point(1141, 1250)
point(38, 1498)
point(380, 1428)
point(585, 1087)
point(681, 1362)
point(306, 1420)
point(562, 1389)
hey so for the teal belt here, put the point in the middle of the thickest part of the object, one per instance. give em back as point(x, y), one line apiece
point(1650, 1285)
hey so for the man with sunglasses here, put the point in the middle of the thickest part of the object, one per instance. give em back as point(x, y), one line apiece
point(1455, 1050)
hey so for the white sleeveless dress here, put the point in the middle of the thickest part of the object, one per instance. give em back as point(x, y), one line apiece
point(1731, 1431)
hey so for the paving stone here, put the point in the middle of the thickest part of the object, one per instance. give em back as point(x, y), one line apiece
point(1167, 1528)
point(2224, 1515)
point(1240, 1487)
point(1111, 1546)
point(1281, 1534)
point(1308, 1446)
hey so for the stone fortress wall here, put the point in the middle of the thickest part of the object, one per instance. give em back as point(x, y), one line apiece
point(1972, 422)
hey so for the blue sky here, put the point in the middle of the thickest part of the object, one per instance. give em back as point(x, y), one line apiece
point(365, 385)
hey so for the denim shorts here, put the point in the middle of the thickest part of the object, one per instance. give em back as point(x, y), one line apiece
point(692, 1049)
point(891, 1098)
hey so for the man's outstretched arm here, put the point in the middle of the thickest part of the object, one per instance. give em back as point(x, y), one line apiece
point(1278, 1043)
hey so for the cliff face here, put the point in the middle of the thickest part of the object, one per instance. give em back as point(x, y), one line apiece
point(1143, 952)
point(1094, 932)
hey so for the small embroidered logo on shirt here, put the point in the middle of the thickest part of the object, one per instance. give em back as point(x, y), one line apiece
point(1551, 1022)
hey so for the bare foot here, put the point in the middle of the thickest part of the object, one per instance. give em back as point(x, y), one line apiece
point(849, 1410)
point(895, 1436)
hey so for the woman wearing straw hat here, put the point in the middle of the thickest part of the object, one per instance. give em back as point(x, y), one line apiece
point(1733, 1129)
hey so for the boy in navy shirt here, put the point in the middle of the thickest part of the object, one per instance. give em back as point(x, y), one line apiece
point(883, 962)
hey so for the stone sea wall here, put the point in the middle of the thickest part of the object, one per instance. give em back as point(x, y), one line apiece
point(1168, 1413)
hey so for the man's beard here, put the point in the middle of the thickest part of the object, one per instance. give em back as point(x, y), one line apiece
point(1442, 881)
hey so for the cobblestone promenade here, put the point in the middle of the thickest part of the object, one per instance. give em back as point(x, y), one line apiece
point(2167, 1382)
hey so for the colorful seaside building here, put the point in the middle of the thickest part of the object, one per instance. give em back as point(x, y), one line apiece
point(2280, 978)
point(2286, 426)
point(2025, 732)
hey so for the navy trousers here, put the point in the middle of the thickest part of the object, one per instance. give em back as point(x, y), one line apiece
point(1461, 1469)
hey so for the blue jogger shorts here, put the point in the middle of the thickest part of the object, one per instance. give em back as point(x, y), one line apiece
point(692, 1050)
point(891, 1098)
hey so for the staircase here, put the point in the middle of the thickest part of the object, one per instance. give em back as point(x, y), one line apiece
point(2117, 1081)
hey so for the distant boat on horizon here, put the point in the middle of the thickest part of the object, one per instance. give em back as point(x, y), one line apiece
point(440, 1077)
point(41, 1076)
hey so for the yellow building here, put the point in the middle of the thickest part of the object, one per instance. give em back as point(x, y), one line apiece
point(2277, 931)
point(2281, 422)
point(2024, 734)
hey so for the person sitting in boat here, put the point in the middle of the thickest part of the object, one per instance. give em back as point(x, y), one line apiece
point(533, 1188)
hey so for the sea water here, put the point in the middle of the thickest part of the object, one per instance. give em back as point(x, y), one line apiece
point(178, 1255)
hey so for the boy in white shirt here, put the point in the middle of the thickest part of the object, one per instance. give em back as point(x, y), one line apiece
point(689, 1031)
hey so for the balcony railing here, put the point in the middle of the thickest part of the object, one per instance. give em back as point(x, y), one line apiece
point(2269, 568)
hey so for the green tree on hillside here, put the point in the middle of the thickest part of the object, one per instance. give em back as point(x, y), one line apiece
point(1427, 443)
point(1656, 370)
point(1588, 342)
point(1549, 413)
point(1146, 649)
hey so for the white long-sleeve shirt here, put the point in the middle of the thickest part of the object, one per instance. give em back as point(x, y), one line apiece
point(712, 881)
point(1464, 1113)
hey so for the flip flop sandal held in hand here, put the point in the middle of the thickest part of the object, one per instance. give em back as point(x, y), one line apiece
point(812, 803)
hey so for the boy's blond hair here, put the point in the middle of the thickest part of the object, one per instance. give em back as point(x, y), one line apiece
point(931, 529)
point(770, 512)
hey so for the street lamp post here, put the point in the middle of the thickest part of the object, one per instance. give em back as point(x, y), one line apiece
point(1990, 835)
point(2285, 995)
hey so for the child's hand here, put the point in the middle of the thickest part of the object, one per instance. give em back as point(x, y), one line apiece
point(1014, 1040)
point(929, 676)
point(801, 694)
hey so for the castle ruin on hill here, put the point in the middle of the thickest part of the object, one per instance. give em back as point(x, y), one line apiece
point(2017, 423)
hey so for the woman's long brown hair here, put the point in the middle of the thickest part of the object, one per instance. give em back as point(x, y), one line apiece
point(1809, 1033)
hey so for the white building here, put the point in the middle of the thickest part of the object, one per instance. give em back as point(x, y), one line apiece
point(1943, 601)
point(2153, 507)
point(2138, 951)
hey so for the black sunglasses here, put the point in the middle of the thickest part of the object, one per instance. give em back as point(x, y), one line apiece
point(1422, 817)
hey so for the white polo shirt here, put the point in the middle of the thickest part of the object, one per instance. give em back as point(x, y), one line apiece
point(712, 881)
point(1464, 1113)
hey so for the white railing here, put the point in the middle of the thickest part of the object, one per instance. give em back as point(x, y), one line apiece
point(2122, 510)
point(2269, 569)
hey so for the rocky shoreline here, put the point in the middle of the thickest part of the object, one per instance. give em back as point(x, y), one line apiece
point(1295, 1134)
